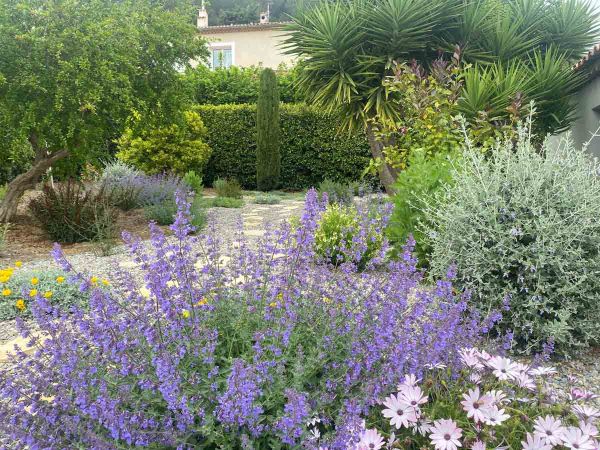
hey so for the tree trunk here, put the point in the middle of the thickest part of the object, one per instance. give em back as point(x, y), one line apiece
point(17, 187)
point(387, 174)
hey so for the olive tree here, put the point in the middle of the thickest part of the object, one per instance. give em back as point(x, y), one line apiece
point(73, 71)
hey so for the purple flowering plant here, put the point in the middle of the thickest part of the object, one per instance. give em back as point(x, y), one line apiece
point(493, 402)
point(229, 345)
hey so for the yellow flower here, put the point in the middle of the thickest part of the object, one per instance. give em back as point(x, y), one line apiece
point(202, 302)
point(33, 292)
point(20, 304)
point(6, 292)
point(4, 278)
point(280, 296)
point(185, 313)
point(327, 300)
point(34, 281)
point(105, 282)
point(273, 304)
point(94, 280)
point(47, 294)
point(60, 280)
point(18, 263)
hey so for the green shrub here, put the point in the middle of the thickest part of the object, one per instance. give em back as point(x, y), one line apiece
point(176, 148)
point(524, 224)
point(198, 213)
point(227, 202)
point(228, 188)
point(312, 146)
point(341, 231)
point(342, 193)
point(423, 181)
point(236, 84)
point(70, 213)
point(162, 213)
point(267, 199)
point(2, 192)
point(268, 156)
point(194, 181)
point(21, 288)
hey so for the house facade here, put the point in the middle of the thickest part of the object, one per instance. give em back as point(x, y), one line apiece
point(244, 45)
point(587, 101)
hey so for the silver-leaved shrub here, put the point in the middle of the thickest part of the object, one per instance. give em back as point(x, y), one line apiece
point(522, 227)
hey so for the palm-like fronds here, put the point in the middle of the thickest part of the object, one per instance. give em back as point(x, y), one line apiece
point(517, 48)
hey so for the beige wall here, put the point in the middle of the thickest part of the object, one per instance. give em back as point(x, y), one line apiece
point(253, 47)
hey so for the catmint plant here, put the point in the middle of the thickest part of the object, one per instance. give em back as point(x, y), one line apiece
point(228, 344)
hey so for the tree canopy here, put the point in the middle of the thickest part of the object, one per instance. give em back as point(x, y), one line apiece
point(73, 71)
point(226, 12)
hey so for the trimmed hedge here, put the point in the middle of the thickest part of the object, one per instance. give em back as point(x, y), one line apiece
point(312, 147)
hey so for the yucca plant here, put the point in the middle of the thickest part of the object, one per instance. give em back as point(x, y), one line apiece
point(512, 51)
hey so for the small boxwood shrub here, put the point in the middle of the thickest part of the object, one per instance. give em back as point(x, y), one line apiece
point(523, 225)
point(70, 212)
point(312, 146)
point(227, 187)
point(19, 287)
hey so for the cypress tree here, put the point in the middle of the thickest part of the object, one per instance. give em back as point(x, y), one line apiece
point(268, 156)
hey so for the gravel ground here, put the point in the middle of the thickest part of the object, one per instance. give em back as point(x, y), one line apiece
point(226, 221)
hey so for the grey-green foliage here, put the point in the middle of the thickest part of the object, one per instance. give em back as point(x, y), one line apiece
point(267, 199)
point(524, 223)
point(342, 193)
point(64, 294)
point(162, 213)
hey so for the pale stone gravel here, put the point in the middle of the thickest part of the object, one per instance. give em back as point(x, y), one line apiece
point(226, 220)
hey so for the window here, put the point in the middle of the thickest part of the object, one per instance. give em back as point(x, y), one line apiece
point(222, 56)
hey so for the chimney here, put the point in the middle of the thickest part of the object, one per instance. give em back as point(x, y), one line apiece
point(202, 20)
point(264, 16)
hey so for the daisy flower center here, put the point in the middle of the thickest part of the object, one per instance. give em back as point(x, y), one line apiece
point(400, 412)
point(447, 436)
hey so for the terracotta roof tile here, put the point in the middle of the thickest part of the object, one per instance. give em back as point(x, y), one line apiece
point(241, 27)
point(592, 54)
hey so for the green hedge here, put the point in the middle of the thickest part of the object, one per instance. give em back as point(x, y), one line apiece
point(312, 147)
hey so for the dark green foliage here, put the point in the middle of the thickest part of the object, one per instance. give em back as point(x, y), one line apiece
point(342, 193)
point(226, 12)
point(312, 148)
point(229, 188)
point(268, 156)
point(71, 213)
point(422, 181)
point(162, 213)
point(237, 84)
